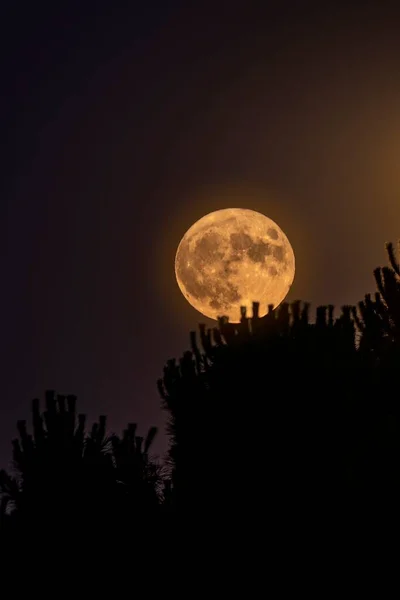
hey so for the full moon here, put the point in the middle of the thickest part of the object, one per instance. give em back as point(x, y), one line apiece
point(232, 258)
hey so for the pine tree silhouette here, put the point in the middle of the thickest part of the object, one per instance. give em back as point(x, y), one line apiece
point(276, 423)
point(258, 392)
point(287, 415)
point(69, 481)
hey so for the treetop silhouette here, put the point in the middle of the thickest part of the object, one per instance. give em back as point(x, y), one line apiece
point(282, 419)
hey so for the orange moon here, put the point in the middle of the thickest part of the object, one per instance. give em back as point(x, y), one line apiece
point(232, 258)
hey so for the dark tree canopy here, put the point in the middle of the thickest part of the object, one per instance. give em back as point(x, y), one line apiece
point(277, 424)
point(70, 482)
point(284, 414)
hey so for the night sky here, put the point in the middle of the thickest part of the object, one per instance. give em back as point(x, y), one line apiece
point(123, 123)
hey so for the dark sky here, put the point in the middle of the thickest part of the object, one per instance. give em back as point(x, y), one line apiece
point(123, 123)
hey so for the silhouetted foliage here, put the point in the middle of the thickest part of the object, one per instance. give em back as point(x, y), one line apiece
point(78, 480)
point(281, 415)
point(277, 422)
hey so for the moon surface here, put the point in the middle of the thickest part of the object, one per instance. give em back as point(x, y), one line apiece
point(232, 258)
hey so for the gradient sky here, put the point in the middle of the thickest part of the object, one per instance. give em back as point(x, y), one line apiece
point(124, 125)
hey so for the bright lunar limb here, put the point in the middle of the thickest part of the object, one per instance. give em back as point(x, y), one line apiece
point(232, 258)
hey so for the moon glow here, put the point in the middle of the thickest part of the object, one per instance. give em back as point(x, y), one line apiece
point(232, 258)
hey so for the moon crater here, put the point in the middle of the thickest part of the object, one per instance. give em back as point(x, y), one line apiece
point(232, 257)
